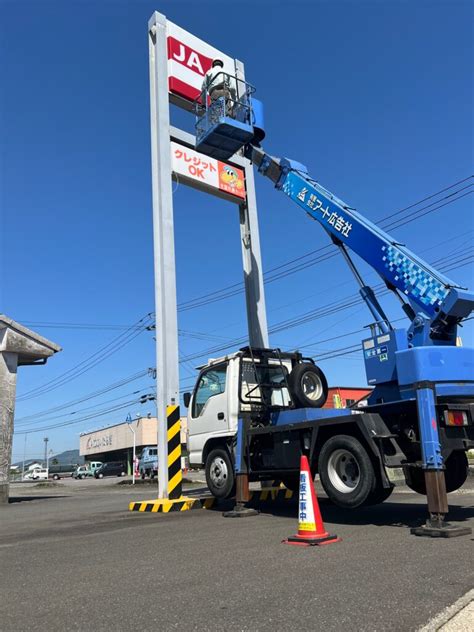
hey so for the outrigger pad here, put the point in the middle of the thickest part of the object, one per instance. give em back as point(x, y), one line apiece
point(436, 528)
point(240, 511)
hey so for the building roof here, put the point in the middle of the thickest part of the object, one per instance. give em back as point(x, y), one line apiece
point(29, 345)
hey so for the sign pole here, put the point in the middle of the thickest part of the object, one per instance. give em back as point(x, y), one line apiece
point(251, 255)
point(129, 422)
point(167, 375)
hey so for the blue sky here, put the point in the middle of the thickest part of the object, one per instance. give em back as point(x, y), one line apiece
point(375, 97)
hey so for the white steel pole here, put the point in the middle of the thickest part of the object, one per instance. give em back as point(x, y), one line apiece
point(251, 255)
point(132, 430)
point(134, 457)
point(24, 455)
point(167, 371)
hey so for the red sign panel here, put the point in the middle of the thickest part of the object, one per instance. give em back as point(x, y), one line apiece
point(189, 58)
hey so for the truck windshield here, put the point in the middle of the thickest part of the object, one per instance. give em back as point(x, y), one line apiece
point(211, 383)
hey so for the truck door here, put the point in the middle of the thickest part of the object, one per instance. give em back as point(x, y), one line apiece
point(207, 415)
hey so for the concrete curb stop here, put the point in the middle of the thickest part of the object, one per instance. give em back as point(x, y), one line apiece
point(455, 618)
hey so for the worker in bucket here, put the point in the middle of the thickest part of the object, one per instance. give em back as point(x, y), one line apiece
point(217, 84)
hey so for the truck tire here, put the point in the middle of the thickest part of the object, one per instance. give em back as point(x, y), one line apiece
point(346, 472)
point(55, 477)
point(379, 495)
point(308, 386)
point(220, 475)
point(455, 474)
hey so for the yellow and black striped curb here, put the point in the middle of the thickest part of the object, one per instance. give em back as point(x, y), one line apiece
point(172, 504)
point(175, 475)
point(269, 495)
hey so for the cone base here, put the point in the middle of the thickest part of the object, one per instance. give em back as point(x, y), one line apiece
point(301, 540)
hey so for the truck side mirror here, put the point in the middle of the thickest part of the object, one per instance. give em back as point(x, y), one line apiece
point(186, 399)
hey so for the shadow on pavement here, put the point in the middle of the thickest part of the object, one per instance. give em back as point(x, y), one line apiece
point(23, 499)
point(393, 514)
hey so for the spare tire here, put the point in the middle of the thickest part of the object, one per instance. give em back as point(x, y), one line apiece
point(308, 386)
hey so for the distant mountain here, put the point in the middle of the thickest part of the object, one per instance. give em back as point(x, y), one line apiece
point(69, 457)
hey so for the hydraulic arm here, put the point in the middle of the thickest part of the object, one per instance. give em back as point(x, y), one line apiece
point(429, 297)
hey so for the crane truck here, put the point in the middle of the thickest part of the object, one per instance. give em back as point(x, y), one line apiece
point(253, 413)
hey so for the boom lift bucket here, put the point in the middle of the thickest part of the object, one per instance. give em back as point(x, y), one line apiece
point(227, 117)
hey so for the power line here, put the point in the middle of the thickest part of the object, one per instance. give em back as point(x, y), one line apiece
point(323, 253)
point(99, 413)
point(320, 312)
point(90, 362)
point(81, 410)
point(86, 397)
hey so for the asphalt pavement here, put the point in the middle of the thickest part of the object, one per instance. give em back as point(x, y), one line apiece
point(74, 558)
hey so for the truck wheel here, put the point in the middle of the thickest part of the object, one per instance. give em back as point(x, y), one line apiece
point(55, 477)
point(308, 386)
point(220, 473)
point(379, 494)
point(455, 474)
point(346, 471)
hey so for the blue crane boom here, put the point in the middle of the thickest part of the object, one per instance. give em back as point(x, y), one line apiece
point(443, 303)
point(434, 303)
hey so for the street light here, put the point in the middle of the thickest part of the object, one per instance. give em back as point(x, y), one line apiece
point(129, 421)
point(46, 450)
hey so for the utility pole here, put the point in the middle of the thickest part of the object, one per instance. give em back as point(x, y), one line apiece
point(46, 451)
point(24, 455)
point(47, 459)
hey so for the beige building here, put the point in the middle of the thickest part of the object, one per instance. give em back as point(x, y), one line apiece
point(115, 443)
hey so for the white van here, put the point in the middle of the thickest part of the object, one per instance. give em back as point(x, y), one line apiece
point(38, 474)
point(148, 464)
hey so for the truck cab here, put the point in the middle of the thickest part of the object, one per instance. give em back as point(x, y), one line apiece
point(249, 383)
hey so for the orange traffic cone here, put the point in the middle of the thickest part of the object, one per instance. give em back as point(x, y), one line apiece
point(311, 531)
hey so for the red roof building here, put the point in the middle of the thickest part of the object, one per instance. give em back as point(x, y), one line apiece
point(346, 396)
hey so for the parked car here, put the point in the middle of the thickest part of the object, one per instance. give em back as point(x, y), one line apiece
point(89, 469)
point(114, 468)
point(148, 464)
point(38, 474)
point(57, 472)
